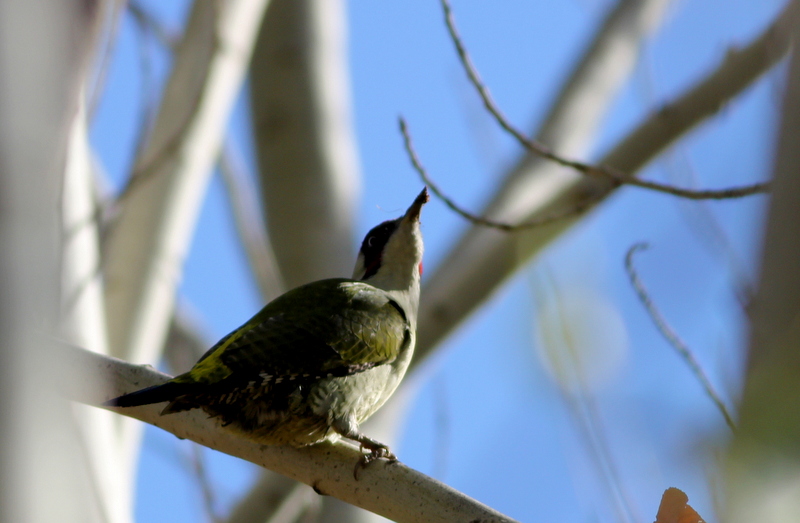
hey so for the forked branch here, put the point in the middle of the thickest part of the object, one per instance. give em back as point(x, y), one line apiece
point(535, 147)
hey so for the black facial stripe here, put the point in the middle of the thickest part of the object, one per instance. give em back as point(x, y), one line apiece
point(373, 244)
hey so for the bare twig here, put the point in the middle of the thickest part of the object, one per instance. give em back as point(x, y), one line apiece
point(672, 337)
point(243, 196)
point(480, 220)
point(480, 261)
point(713, 236)
point(542, 150)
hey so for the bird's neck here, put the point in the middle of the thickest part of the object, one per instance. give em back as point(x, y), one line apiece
point(403, 290)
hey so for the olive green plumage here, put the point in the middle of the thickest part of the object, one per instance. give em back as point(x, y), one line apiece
point(261, 379)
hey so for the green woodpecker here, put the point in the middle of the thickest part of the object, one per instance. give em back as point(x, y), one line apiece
point(319, 360)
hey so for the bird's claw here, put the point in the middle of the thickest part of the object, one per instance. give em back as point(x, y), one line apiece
point(375, 453)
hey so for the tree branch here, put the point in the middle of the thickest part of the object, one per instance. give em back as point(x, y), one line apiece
point(148, 242)
point(480, 220)
point(242, 194)
point(47, 52)
point(672, 337)
point(484, 258)
point(586, 169)
point(391, 490)
point(763, 481)
point(308, 162)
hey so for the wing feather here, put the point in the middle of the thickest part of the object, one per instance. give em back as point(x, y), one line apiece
point(332, 327)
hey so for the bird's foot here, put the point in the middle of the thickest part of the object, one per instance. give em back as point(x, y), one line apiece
point(376, 451)
point(348, 428)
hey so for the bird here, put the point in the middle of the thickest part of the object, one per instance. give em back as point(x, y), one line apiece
point(316, 362)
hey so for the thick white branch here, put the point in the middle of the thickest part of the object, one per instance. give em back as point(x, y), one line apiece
point(147, 244)
point(149, 241)
point(392, 490)
point(309, 171)
point(45, 51)
point(82, 320)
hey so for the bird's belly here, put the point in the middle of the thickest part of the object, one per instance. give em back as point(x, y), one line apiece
point(357, 396)
point(307, 416)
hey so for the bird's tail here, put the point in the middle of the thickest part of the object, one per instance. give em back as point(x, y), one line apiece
point(168, 391)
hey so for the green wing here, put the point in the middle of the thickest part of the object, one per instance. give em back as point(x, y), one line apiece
point(336, 327)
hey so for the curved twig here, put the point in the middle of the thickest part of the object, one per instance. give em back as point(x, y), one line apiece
point(584, 168)
point(672, 337)
point(480, 220)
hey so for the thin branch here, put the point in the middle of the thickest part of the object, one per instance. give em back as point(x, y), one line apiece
point(709, 230)
point(563, 352)
point(390, 489)
point(243, 196)
point(672, 337)
point(480, 262)
point(165, 37)
point(147, 244)
point(480, 220)
point(542, 150)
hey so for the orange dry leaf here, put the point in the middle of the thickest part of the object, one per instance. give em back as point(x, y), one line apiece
point(674, 508)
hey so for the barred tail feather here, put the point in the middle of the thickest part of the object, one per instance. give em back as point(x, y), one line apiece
point(155, 394)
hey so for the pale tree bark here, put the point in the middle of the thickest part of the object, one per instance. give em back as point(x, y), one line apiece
point(392, 490)
point(45, 51)
point(82, 318)
point(304, 138)
point(764, 465)
point(148, 241)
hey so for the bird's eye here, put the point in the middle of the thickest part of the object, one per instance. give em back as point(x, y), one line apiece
point(371, 241)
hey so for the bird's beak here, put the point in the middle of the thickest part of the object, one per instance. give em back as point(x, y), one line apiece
point(413, 212)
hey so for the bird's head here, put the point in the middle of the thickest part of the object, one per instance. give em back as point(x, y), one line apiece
point(391, 253)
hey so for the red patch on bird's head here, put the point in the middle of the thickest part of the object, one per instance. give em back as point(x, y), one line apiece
point(420, 268)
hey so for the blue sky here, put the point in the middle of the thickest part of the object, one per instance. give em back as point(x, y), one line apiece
point(489, 419)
